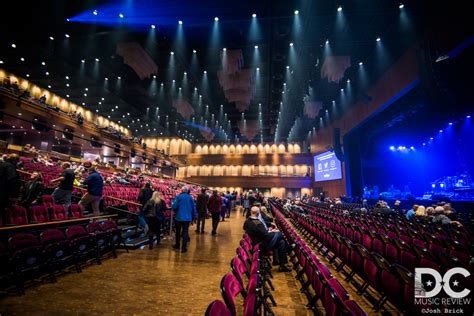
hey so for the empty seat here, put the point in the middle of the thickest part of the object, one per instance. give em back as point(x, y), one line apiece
point(217, 308)
point(39, 214)
point(17, 215)
point(58, 249)
point(59, 213)
point(76, 211)
point(230, 289)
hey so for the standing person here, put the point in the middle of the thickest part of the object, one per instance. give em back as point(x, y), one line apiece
point(10, 183)
point(95, 185)
point(214, 205)
point(143, 197)
point(185, 211)
point(63, 193)
point(246, 204)
point(201, 206)
point(32, 190)
point(224, 206)
point(153, 211)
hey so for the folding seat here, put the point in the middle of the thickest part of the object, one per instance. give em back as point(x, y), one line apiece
point(230, 289)
point(357, 236)
point(391, 253)
point(367, 241)
point(239, 269)
point(378, 244)
point(463, 257)
point(357, 261)
point(27, 258)
point(57, 249)
point(115, 232)
point(48, 201)
point(75, 211)
point(17, 215)
point(59, 213)
point(243, 255)
point(334, 297)
point(250, 305)
point(408, 259)
point(81, 243)
point(39, 214)
point(217, 308)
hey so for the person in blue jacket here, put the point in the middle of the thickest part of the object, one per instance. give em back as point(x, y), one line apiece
point(185, 210)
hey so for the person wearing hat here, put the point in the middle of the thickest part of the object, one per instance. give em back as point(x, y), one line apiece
point(95, 185)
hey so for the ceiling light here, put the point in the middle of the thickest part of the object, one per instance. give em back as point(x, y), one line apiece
point(22, 59)
point(256, 46)
point(360, 63)
point(67, 35)
point(224, 49)
point(13, 45)
point(378, 39)
point(97, 59)
point(51, 38)
point(94, 12)
point(339, 9)
point(401, 6)
point(180, 22)
point(83, 61)
point(153, 26)
point(121, 15)
point(27, 75)
point(216, 19)
point(43, 63)
point(254, 15)
point(194, 51)
point(297, 12)
point(291, 44)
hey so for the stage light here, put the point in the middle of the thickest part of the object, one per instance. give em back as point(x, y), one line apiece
point(258, 68)
point(342, 90)
point(205, 72)
point(400, 147)
point(119, 78)
point(291, 44)
point(412, 148)
point(67, 35)
point(27, 75)
point(216, 19)
point(327, 42)
point(224, 49)
point(121, 15)
point(94, 12)
point(180, 22)
point(378, 39)
point(441, 185)
point(450, 123)
point(49, 86)
point(256, 46)
point(43, 63)
point(254, 15)
point(106, 79)
point(339, 9)
point(13, 46)
point(1, 62)
point(83, 61)
point(97, 59)
point(174, 81)
point(360, 63)
point(22, 59)
point(348, 80)
point(297, 12)
point(401, 6)
point(431, 138)
point(172, 53)
point(47, 73)
point(194, 51)
point(51, 38)
point(440, 130)
point(153, 26)
point(468, 116)
point(433, 185)
point(287, 67)
point(67, 84)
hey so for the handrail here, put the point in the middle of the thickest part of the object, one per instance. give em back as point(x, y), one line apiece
point(112, 197)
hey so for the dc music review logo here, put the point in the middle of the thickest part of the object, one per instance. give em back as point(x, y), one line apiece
point(429, 283)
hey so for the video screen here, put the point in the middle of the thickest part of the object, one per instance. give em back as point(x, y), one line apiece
point(327, 167)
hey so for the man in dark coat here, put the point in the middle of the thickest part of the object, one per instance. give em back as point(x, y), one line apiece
point(201, 207)
point(10, 184)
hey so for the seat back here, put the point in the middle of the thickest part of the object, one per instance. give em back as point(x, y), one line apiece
point(239, 269)
point(48, 201)
point(94, 227)
point(230, 289)
point(17, 215)
point(59, 212)
point(75, 232)
point(52, 235)
point(21, 241)
point(76, 211)
point(217, 308)
point(39, 214)
point(250, 305)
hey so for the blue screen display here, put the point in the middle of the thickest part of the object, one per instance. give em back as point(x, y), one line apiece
point(327, 167)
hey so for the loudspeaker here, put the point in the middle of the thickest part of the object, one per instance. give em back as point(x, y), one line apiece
point(68, 134)
point(95, 143)
point(40, 127)
point(117, 148)
point(337, 144)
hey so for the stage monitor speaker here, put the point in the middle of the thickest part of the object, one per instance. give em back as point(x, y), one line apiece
point(95, 143)
point(337, 144)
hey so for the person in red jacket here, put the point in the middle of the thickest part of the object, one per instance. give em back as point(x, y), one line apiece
point(214, 206)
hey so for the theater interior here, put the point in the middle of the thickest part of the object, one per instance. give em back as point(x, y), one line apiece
point(182, 157)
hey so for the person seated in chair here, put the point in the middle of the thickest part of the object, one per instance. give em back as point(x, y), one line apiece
point(268, 238)
point(32, 190)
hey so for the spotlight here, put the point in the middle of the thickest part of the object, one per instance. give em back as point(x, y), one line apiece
point(27, 75)
point(97, 59)
point(51, 38)
point(194, 51)
point(67, 35)
point(153, 26)
point(468, 116)
point(43, 63)
point(291, 44)
point(258, 68)
point(184, 73)
point(13, 46)
point(348, 80)
point(287, 67)
point(180, 22)
point(106, 79)
point(205, 72)
point(224, 49)
point(119, 77)
point(378, 39)
point(450, 123)
point(360, 63)
point(172, 53)
point(94, 12)
point(424, 144)
point(327, 42)
point(22, 59)
point(67, 77)
point(83, 61)
point(440, 130)
point(254, 15)
point(216, 19)
point(47, 73)
point(339, 9)
point(121, 15)
point(342, 90)
point(297, 12)
point(401, 6)
point(256, 46)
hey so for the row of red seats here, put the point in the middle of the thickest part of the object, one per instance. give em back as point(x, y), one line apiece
point(313, 274)
point(19, 215)
point(28, 257)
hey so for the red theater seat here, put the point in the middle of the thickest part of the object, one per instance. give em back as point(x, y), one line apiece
point(59, 213)
point(39, 214)
point(17, 215)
